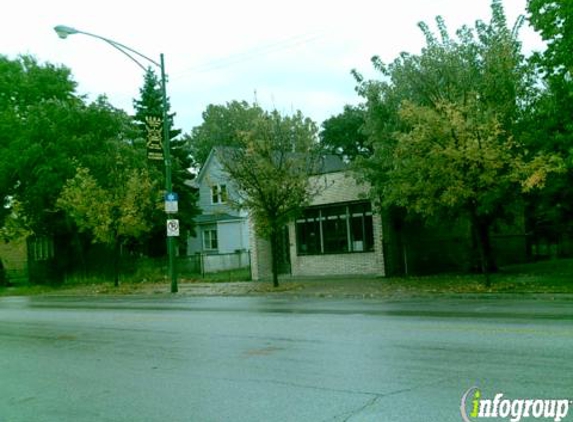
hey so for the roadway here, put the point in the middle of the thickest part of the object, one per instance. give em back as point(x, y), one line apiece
point(276, 359)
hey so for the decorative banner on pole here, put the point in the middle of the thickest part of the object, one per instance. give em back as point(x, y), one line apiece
point(154, 138)
point(172, 228)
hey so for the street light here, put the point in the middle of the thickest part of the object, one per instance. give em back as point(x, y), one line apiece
point(63, 32)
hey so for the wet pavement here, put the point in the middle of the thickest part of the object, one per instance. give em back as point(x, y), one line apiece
point(184, 358)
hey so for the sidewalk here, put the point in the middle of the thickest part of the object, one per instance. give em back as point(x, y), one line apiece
point(440, 286)
point(355, 288)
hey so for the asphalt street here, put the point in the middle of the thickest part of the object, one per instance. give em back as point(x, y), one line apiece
point(276, 359)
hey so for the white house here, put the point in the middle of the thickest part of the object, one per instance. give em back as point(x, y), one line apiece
point(222, 230)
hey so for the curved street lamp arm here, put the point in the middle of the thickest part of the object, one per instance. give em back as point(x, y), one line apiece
point(63, 31)
point(120, 48)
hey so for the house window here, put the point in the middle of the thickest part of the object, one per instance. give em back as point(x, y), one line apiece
point(308, 233)
point(361, 236)
point(335, 229)
point(210, 240)
point(219, 194)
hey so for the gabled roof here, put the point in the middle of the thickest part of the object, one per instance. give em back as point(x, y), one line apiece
point(330, 163)
point(205, 166)
point(326, 163)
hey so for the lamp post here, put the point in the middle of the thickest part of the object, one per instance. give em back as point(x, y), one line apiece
point(63, 32)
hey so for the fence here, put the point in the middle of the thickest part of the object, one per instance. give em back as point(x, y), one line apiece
point(455, 254)
point(215, 263)
point(10, 276)
point(551, 241)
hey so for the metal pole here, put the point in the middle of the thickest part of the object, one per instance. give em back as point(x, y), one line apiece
point(168, 183)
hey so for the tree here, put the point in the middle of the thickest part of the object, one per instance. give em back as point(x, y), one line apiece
point(56, 137)
point(222, 125)
point(342, 134)
point(28, 90)
point(554, 21)
point(112, 214)
point(549, 127)
point(443, 126)
point(46, 130)
point(448, 164)
point(150, 104)
point(271, 166)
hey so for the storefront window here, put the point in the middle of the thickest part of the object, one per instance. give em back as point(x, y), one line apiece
point(335, 229)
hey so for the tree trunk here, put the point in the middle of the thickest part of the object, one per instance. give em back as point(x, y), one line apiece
point(275, 256)
point(480, 230)
point(116, 258)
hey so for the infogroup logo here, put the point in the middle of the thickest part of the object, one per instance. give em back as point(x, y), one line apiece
point(475, 407)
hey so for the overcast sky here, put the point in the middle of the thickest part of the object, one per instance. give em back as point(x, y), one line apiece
point(294, 55)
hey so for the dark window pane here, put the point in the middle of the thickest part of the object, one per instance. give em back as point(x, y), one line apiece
point(357, 227)
point(335, 230)
point(223, 193)
point(214, 241)
point(368, 233)
point(361, 227)
point(210, 240)
point(308, 233)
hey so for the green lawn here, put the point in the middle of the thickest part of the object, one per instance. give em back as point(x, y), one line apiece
point(555, 276)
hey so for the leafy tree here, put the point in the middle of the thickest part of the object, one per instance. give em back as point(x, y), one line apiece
point(448, 164)
point(28, 90)
point(46, 131)
point(115, 213)
point(554, 21)
point(549, 126)
point(150, 103)
point(270, 167)
point(222, 125)
point(56, 136)
point(443, 126)
point(26, 82)
point(342, 134)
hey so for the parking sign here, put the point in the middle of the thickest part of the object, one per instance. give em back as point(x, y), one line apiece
point(172, 228)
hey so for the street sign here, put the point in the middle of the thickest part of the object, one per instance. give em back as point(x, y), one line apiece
point(171, 196)
point(172, 228)
point(171, 203)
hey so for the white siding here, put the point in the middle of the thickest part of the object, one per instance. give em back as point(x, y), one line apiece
point(214, 175)
point(231, 236)
point(195, 243)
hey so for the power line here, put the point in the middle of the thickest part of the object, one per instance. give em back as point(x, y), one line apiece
point(249, 55)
